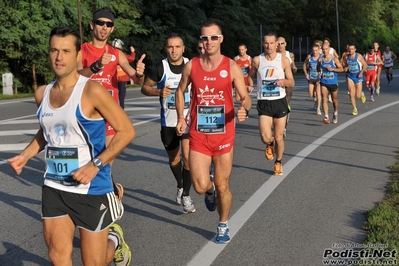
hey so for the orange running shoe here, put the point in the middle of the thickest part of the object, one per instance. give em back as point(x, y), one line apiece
point(278, 168)
point(269, 153)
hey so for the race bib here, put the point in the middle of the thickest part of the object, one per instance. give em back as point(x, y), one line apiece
point(313, 75)
point(211, 119)
point(61, 162)
point(170, 101)
point(270, 89)
point(328, 75)
point(353, 68)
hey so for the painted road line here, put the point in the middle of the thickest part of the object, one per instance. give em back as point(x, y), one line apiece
point(211, 250)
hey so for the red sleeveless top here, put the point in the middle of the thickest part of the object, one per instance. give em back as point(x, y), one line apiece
point(211, 100)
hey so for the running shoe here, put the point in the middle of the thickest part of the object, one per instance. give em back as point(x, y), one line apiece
point(123, 255)
point(285, 133)
point(326, 120)
point(318, 111)
point(377, 91)
point(278, 168)
point(269, 153)
point(335, 119)
point(179, 193)
point(354, 112)
point(223, 234)
point(363, 98)
point(188, 205)
point(389, 82)
point(372, 99)
point(210, 197)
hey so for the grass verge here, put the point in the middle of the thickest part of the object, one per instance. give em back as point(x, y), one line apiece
point(382, 222)
point(16, 96)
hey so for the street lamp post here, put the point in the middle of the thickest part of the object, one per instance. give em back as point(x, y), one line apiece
point(339, 42)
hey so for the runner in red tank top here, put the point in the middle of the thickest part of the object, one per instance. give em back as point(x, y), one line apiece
point(211, 120)
point(244, 61)
point(373, 61)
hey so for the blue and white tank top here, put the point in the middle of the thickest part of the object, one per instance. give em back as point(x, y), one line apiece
point(168, 106)
point(73, 140)
point(388, 62)
point(328, 77)
point(354, 65)
point(312, 70)
point(268, 74)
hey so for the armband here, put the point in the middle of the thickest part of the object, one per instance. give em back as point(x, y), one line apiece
point(94, 68)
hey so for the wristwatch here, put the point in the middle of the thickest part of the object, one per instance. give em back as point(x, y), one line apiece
point(98, 163)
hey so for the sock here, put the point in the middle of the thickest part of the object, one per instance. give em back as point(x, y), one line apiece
point(177, 172)
point(326, 116)
point(277, 161)
point(372, 91)
point(114, 239)
point(335, 112)
point(186, 182)
point(226, 222)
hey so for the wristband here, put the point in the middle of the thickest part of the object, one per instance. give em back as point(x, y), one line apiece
point(139, 76)
point(181, 118)
point(94, 68)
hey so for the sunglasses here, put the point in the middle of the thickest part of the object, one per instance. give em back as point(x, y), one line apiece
point(210, 37)
point(99, 22)
point(281, 43)
point(200, 48)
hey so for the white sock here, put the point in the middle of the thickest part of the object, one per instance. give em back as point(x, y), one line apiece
point(114, 239)
point(336, 113)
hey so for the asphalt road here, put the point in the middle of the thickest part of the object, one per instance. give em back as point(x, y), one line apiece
point(333, 174)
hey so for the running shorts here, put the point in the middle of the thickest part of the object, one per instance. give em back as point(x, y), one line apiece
point(274, 108)
point(211, 144)
point(91, 212)
point(170, 139)
point(330, 87)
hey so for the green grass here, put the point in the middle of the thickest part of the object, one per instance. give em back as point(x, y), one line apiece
point(16, 96)
point(382, 223)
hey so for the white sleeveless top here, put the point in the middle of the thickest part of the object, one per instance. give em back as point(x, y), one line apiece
point(73, 140)
point(268, 74)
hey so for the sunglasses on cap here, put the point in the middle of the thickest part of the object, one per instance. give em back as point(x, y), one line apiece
point(210, 37)
point(100, 22)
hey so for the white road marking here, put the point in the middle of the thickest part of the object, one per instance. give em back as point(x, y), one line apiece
point(211, 250)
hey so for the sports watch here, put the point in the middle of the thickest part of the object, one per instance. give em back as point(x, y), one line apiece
point(98, 163)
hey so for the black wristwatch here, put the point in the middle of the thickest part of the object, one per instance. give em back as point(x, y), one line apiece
point(98, 163)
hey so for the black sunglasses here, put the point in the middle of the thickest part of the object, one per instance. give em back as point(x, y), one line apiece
point(200, 48)
point(99, 22)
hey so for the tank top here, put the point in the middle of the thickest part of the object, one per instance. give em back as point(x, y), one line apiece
point(73, 140)
point(378, 52)
point(107, 76)
point(370, 59)
point(268, 74)
point(354, 65)
point(312, 70)
point(211, 101)
point(168, 107)
point(244, 65)
point(328, 77)
point(388, 62)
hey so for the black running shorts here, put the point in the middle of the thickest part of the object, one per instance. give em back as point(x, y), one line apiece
point(274, 108)
point(90, 212)
point(170, 139)
point(330, 87)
